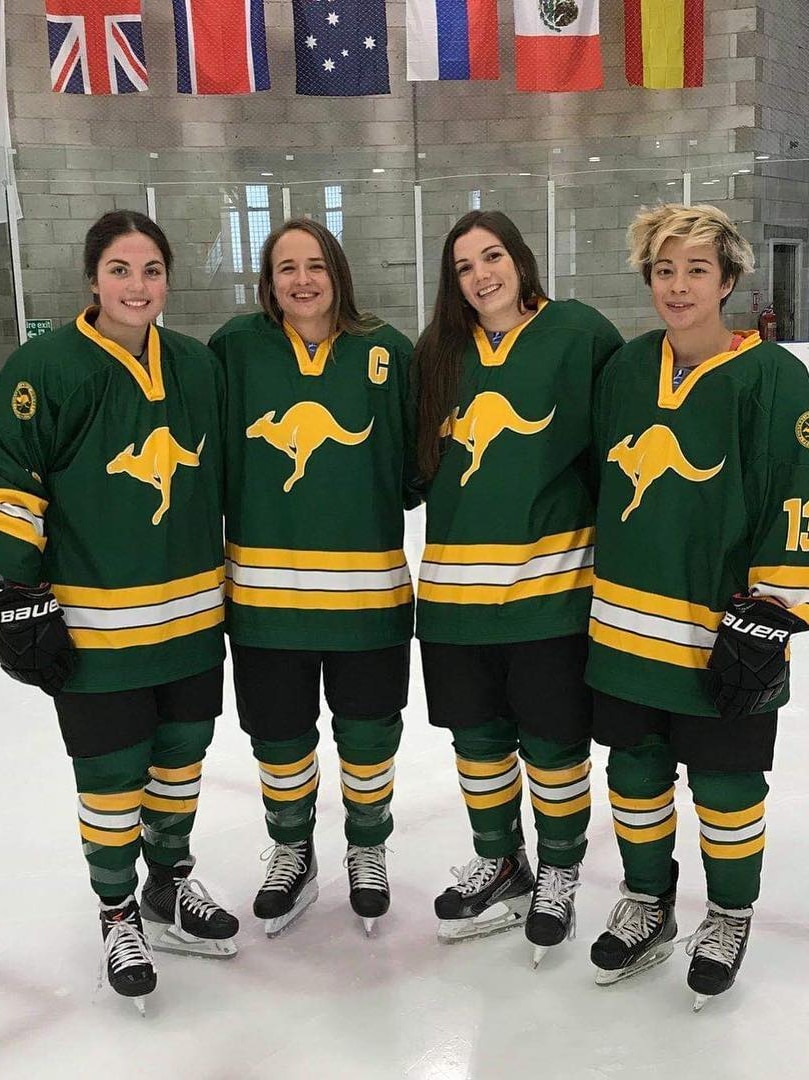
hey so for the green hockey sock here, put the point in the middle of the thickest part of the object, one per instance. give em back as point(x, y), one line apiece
point(730, 807)
point(559, 782)
point(367, 748)
point(491, 784)
point(110, 789)
point(172, 792)
point(289, 780)
point(641, 782)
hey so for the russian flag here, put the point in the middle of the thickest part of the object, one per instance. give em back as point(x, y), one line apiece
point(452, 39)
point(558, 46)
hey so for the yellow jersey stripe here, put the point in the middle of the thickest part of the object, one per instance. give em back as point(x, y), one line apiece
point(126, 800)
point(498, 594)
point(169, 806)
point(731, 820)
point(147, 635)
point(288, 559)
point(649, 648)
point(656, 803)
point(486, 802)
point(561, 809)
point(655, 604)
point(290, 794)
point(558, 777)
point(508, 554)
point(176, 776)
point(366, 771)
point(485, 769)
point(105, 838)
point(21, 530)
point(288, 770)
point(317, 600)
point(31, 503)
point(733, 851)
point(646, 836)
point(367, 797)
point(139, 595)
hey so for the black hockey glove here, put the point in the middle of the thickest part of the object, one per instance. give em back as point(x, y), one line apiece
point(35, 647)
point(749, 656)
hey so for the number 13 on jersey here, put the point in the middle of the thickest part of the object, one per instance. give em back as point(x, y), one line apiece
point(797, 511)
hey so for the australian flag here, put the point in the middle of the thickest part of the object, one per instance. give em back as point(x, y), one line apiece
point(221, 46)
point(341, 47)
point(96, 46)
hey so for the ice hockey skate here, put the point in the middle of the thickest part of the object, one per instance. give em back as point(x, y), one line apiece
point(640, 934)
point(127, 959)
point(290, 885)
point(369, 892)
point(552, 915)
point(717, 948)
point(489, 896)
point(180, 916)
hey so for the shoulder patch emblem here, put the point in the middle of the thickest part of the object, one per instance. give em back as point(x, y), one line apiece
point(802, 429)
point(24, 401)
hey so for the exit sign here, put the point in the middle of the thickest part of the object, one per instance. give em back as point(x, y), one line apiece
point(38, 327)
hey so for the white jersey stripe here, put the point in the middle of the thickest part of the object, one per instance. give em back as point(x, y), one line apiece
point(84, 618)
point(652, 626)
point(493, 574)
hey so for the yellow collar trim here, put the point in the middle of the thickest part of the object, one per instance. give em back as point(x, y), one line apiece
point(151, 382)
point(673, 399)
point(309, 365)
point(490, 357)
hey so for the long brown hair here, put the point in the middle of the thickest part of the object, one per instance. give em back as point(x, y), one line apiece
point(344, 313)
point(438, 356)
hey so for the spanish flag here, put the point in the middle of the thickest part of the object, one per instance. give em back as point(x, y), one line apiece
point(664, 43)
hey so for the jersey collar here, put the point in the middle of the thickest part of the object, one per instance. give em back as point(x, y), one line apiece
point(309, 365)
point(673, 399)
point(490, 357)
point(150, 381)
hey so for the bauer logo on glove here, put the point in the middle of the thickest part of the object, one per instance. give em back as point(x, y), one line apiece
point(748, 661)
point(35, 646)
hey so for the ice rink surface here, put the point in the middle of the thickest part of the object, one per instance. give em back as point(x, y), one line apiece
point(322, 1001)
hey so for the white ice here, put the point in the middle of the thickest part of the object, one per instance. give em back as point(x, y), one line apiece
point(322, 1001)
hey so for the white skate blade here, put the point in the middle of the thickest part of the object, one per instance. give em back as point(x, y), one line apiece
point(657, 955)
point(306, 897)
point(699, 1001)
point(140, 1005)
point(368, 925)
point(539, 952)
point(165, 937)
point(502, 916)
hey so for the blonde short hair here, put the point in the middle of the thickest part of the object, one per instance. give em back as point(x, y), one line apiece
point(700, 224)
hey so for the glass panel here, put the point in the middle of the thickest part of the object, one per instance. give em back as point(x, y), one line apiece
point(8, 323)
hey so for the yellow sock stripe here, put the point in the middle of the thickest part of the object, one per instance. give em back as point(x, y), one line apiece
point(125, 800)
point(646, 835)
point(733, 851)
point(733, 819)
point(291, 769)
point(169, 806)
point(561, 809)
point(497, 798)
point(367, 797)
point(485, 769)
point(104, 838)
point(290, 794)
point(656, 803)
point(176, 776)
point(558, 777)
point(366, 772)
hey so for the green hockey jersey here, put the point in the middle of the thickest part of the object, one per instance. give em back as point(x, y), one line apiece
point(111, 489)
point(318, 452)
point(510, 516)
point(704, 493)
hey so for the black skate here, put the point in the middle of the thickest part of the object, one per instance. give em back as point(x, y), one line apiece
point(717, 948)
point(640, 934)
point(552, 915)
point(180, 916)
point(369, 892)
point(290, 885)
point(490, 895)
point(127, 956)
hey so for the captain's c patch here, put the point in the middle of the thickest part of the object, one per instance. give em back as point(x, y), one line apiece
point(24, 401)
point(802, 429)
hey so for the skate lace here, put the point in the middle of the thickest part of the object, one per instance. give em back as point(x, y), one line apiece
point(718, 937)
point(632, 921)
point(366, 867)
point(286, 862)
point(124, 946)
point(554, 892)
point(193, 897)
point(475, 875)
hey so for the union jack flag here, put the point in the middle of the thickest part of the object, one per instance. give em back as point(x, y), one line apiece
point(96, 46)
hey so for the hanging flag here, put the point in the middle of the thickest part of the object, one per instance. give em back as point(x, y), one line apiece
point(341, 47)
point(558, 45)
point(221, 46)
point(452, 39)
point(96, 46)
point(664, 43)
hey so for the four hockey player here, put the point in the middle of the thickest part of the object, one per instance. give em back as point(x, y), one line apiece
point(505, 384)
point(112, 476)
point(703, 441)
point(112, 573)
point(318, 431)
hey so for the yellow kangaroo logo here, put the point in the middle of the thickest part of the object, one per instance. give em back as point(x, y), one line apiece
point(156, 464)
point(488, 415)
point(300, 431)
point(655, 451)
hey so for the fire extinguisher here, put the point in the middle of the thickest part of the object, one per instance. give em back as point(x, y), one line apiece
point(768, 324)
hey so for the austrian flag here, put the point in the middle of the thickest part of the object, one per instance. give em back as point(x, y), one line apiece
point(96, 46)
point(558, 46)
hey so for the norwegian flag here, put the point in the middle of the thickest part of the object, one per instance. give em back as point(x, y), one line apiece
point(96, 46)
point(221, 46)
